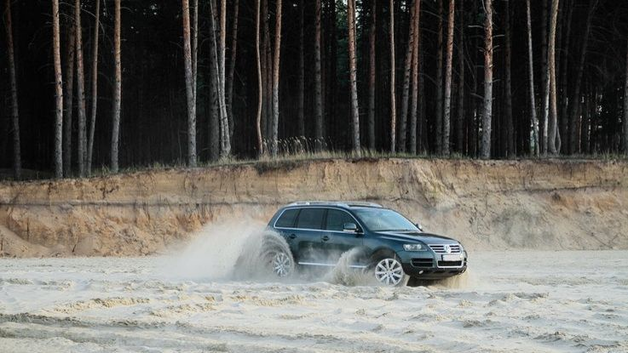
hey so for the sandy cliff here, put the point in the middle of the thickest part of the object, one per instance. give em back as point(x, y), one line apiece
point(487, 205)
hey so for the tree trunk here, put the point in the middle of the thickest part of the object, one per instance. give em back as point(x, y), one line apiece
point(268, 75)
point(534, 148)
point(574, 140)
point(551, 52)
point(422, 107)
point(301, 98)
point(232, 65)
point(510, 125)
point(260, 84)
point(372, 74)
point(276, 66)
point(80, 91)
point(318, 81)
point(355, 114)
point(564, 77)
point(439, 81)
point(461, 83)
point(15, 115)
point(195, 15)
point(226, 120)
point(223, 39)
point(214, 109)
point(487, 111)
point(218, 55)
point(68, 101)
point(625, 116)
point(92, 120)
point(189, 84)
point(56, 45)
point(405, 96)
point(330, 77)
point(117, 95)
point(545, 79)
point(218, 84)
point(414, 107)
point(448, 79)
point(393, 94)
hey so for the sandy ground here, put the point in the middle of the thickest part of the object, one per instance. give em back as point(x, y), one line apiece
point(509, 302)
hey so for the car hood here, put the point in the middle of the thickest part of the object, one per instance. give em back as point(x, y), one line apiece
point(426, 238)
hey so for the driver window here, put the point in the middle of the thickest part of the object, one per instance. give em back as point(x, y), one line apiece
point(336, 220)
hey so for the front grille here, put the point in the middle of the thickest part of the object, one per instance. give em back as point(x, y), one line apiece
point(449, 263)
point(442, 248)
point(422, 262)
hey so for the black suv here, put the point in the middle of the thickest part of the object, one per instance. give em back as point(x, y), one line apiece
point(382, 240)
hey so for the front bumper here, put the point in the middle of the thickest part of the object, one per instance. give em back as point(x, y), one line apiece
point(429, 265)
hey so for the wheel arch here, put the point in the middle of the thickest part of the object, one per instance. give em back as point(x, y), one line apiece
point(381, 253)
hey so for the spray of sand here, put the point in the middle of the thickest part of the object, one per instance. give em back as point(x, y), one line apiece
point(232, 249)
point(345, 274)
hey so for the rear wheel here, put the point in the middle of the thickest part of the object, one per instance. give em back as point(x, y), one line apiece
point(282, 264)
point(389, 271)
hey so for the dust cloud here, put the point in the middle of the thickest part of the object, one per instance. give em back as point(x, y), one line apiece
point(213, 253)
point(343, 273)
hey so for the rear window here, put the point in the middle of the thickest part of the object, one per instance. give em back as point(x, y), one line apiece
point(287, 219)
point(311, 218)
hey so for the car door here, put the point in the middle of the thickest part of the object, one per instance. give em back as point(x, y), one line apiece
point(335, 241)
point(307, 235)
point(285, 225)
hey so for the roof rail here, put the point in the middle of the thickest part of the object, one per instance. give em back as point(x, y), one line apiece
point(363, 204)
point(336, 203)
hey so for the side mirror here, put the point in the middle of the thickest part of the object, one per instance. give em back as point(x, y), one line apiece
point(350, 227)
point(418, 225)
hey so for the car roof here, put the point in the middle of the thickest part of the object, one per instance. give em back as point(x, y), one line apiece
point(341, 204)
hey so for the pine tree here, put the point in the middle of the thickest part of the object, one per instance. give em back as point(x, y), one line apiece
point(15, 115)
point(487, 111)
point(56, 45)
point(189, 84)
point(355, 113)
point(117, 95)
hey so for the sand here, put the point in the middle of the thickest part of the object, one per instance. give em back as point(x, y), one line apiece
point(571, 301)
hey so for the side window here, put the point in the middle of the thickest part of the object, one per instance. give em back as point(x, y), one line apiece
point(311, 218)
point(287, 219)
point(336, 220)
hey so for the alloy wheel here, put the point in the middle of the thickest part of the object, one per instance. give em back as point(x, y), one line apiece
point(282, 264)
point(389, 271)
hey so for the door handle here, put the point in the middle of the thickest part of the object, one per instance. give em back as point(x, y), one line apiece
point(292, 236)
point(325, 238)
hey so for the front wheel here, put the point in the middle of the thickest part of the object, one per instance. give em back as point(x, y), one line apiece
point(389, 271)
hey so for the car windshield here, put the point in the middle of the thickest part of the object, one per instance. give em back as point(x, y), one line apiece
point(379, 220)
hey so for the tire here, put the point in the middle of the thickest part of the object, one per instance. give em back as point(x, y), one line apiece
point(276, 255)
point(264, 256)
point(388, 271)
point(282, 264)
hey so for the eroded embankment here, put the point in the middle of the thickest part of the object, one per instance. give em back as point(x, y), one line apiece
point(487, 205)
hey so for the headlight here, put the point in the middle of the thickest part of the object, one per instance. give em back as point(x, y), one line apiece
point(413, 247)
